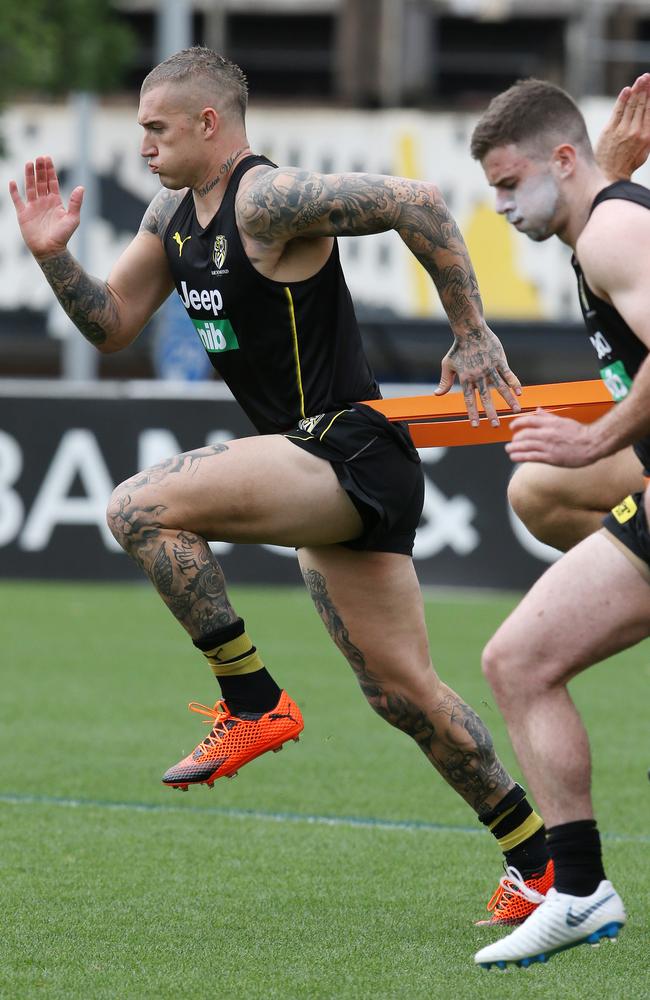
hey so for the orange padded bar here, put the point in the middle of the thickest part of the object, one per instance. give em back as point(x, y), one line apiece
point(584, 401)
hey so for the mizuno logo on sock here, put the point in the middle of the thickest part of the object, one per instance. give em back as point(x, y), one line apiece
point(575, 919)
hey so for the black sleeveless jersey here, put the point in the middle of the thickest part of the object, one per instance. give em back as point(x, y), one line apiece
point(287, 350)
point(620, 352)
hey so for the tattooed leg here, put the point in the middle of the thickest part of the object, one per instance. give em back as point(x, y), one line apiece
point(448, 731)
point(179, 563)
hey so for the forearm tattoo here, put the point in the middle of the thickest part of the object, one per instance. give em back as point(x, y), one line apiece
point(87, 301)
point(282, 204)
point(179, 563)
point(451, 735)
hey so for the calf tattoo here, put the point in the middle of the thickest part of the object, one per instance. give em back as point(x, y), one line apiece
point(180, 564)
point(451, 734)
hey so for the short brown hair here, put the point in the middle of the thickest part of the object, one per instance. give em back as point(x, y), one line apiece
point(534, 113)
point(224, 81)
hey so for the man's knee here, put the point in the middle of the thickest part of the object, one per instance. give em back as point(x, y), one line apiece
point(503, 668)
point(518, 672)
point(131, 520)
point(532, 500)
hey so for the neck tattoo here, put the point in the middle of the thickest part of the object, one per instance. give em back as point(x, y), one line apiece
point(224, 169)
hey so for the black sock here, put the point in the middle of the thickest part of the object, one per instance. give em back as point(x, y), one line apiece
point(256, 692)
point(575, 849)
point(246, 685)
point(519, 832)
point(530, 857)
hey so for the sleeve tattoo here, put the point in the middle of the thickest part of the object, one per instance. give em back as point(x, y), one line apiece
point(284, 204)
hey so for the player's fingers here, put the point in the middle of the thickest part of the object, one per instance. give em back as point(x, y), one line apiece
point(30, 182)
point(508, 386)
point(469, 394)
point(524, 421)
point(76, 198)
point(52, 179)
point(447, 378)
point(483, 386)
point(640, 84)
point(511, 379)
point(619, 107)
point(40, 171)
point(15, 196)
point(522, 455)
point(637, 110)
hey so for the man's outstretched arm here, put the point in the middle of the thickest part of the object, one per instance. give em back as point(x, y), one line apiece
point(284, 204)
point(111, 313)
point(620, 278)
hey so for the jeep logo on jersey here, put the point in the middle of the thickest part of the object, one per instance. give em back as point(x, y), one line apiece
point(219, 252)
point(208, 299)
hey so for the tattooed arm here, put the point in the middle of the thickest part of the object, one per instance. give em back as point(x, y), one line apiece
point(109, 314)
point(284, 204)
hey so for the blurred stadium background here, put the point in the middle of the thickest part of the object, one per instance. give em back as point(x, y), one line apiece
point(382, 85)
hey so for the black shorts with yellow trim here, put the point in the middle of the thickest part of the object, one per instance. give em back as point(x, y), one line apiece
point(627, 527)
point(378, 467)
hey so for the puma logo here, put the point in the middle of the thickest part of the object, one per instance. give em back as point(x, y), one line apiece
point(178, 239)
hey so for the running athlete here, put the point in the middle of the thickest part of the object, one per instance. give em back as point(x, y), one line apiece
point(562, 506)
point(595, 601)
point(251, 249)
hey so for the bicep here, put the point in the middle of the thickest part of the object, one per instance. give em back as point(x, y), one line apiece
point(616, 263)
point(139, 281)
point(284, 204)
point(633, 303)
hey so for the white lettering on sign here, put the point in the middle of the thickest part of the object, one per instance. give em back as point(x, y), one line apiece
point(11, 505)
point(446, 521)
point(78, 456)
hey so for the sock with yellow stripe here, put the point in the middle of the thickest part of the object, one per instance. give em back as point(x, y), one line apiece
point(519, 831)
point(246, 685)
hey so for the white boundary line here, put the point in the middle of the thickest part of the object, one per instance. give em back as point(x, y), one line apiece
point(350, 822)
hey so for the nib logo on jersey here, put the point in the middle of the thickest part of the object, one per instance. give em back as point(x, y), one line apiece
point(216, 333)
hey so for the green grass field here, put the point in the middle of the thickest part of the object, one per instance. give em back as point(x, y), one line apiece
point(340, 868)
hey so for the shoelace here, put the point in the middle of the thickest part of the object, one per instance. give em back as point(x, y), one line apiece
point(220, 714)
point(513, 884)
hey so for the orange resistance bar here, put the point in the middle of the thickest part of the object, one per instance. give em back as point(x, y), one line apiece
point(429, 428)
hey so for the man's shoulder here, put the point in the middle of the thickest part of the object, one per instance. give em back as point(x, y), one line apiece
point(161, 210)
point(260, 192)
point(612, 224)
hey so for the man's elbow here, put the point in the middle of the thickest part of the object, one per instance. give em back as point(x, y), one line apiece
point(111, 343)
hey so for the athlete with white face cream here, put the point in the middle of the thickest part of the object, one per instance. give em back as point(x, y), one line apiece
point(533, 145)
point(561, 506)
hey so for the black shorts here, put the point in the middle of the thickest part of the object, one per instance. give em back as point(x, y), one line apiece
point(628, 527)
point(378, 467)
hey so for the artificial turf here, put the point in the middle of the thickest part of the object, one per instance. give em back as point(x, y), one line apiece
point(341, 868)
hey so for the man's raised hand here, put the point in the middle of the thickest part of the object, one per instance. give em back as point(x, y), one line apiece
point(45, 223)
point(624, 143)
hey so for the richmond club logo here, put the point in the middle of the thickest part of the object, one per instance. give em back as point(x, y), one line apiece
point(219, 252)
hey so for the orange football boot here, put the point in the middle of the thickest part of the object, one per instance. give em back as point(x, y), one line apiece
point(511, 903)
point(234, 740)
